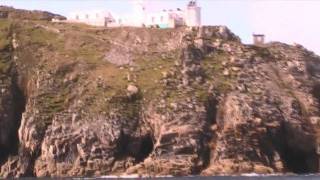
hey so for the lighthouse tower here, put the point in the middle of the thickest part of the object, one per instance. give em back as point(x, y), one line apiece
point(139, 12)
point(193, 14)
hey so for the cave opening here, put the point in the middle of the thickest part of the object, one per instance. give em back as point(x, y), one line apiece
point(298, 161)
point(146, 147)
point(295, 158)
point(137, 147)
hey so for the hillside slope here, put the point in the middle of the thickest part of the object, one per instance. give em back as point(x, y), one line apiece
point(83, 101)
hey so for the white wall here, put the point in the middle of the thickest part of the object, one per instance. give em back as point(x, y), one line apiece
point(157, 18)
point(193, 16)
point(95, 18)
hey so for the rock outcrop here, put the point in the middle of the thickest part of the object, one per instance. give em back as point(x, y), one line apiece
point(83, 101)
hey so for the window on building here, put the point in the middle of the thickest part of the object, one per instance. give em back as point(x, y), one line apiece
point(161, 18)
point(87, 16)
point(77, 17)
point(153, 19)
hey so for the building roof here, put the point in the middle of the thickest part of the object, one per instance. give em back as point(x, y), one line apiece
point(192, 3)
point(258, 34)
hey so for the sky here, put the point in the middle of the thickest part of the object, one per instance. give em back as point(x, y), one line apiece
point(289, 21)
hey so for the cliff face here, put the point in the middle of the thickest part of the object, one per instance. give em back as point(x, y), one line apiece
point(83, 101)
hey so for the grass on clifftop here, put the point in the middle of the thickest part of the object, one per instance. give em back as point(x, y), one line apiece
point(4, 34)
point(38, 36)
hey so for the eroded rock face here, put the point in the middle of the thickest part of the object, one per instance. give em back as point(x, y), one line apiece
point(179, 140)
point(183, 102)
point(269, 123)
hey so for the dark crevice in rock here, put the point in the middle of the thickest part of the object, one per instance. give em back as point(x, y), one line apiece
point(145, 148)
point(211, 109)
point(137, 147)
point(298, 161)
point(209, 139)
point(28, 161)
point(19, 107)
point(316, 92)
point(294, 158)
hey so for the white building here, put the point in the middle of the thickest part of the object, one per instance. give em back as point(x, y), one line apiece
point(190, 16)
point(95, 18)
point(193, 14)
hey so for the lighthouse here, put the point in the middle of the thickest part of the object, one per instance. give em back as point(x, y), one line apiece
point(193, 14)
point(139, 12)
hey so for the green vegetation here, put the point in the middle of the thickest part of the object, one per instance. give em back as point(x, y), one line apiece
point(4, 25)
point(214, 71)
point(262, 51)
point(4, 66)
point(41, 36)
point(4, 43)
point(5, 39)
point(150, 74)
point(43, 44)
point(38, 36)
point(89, 55)
point(51, 103)
point(130, 107)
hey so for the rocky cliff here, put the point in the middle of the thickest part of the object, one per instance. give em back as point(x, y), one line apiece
point(83, 101)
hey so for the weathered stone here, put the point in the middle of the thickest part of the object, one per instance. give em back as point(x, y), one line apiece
point(236, 69)
point(226, 72)
point(132, 89)
point(164, 74)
